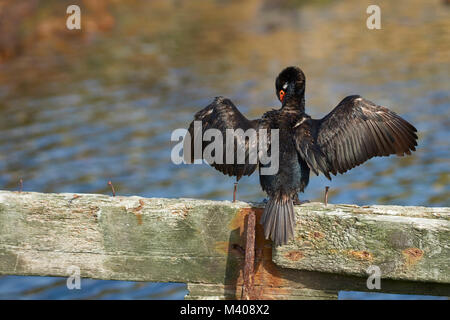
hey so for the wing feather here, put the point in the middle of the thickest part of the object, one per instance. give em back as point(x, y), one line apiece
point(222, 114)
point(352, 133)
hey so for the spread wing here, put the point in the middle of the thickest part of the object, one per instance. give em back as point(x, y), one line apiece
point(355, 131)
point(221, 115)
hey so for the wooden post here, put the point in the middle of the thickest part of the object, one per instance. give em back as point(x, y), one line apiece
point(249, 257)
point(192, 241)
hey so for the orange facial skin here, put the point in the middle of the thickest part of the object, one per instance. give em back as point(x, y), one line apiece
point(282, 93)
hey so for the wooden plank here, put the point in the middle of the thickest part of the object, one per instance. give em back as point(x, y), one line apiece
point(198, 242)
point(406, 243)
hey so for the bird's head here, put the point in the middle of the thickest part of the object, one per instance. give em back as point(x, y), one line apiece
point(290, 83)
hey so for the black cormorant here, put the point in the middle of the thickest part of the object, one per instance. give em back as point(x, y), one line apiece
point(353, 132)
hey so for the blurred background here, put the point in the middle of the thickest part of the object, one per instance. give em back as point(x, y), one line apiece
point(81, 107)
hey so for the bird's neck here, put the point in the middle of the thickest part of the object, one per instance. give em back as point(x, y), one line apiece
point(294, 102)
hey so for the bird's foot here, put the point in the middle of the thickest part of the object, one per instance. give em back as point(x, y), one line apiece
point(297, 201)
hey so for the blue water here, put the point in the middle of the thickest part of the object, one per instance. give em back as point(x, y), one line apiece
point(54, 288)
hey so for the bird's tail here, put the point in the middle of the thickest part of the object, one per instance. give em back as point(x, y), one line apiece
point(278, 219)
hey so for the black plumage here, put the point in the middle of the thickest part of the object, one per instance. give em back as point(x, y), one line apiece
point(222, 114)
point(353, 132)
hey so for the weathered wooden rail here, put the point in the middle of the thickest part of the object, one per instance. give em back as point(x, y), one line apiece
point(200, 243)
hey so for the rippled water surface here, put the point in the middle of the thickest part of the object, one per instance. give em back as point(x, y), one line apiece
point(78, 111)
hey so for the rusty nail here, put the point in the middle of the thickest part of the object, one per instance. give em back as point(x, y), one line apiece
point(234, 191)
point(326, 194)
point(112, 188)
